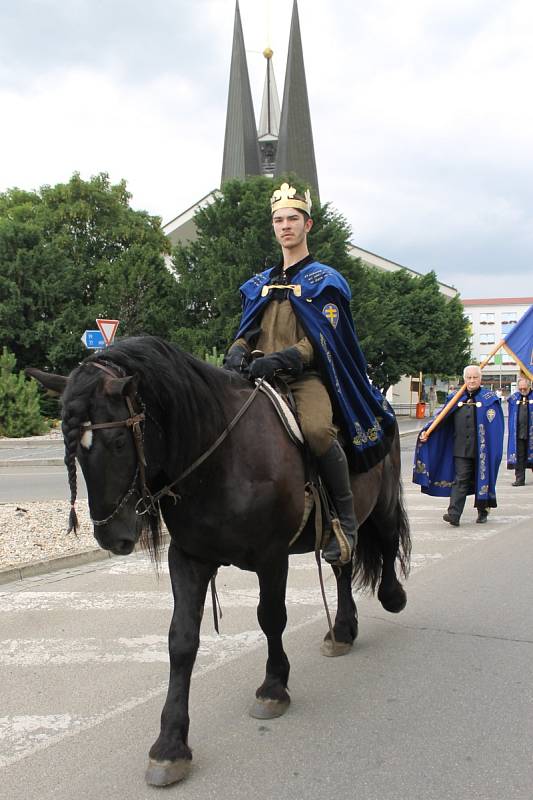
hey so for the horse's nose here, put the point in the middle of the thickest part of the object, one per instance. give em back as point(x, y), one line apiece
point(118, 546)
point(123, 547)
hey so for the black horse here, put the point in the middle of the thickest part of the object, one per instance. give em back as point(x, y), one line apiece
point(240, 505)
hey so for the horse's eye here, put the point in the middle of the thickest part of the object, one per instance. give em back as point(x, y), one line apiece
point(120, 442)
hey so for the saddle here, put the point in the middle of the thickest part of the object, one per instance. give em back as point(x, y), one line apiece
point(316, 497)
point(285, 412)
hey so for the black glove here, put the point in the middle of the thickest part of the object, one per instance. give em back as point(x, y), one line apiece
point(288, 361)
point(237, 358)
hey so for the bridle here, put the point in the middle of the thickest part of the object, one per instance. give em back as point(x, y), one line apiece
point(148, 502)
point(133, 422)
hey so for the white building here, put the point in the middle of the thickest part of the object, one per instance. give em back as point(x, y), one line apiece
point(386, 265)
point(491, 319)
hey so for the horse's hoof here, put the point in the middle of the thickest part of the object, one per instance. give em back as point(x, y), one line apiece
point(394, 602)
point(334, 649)
point(269, 709)
point(163, 773)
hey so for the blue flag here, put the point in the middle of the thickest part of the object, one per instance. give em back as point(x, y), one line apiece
point(519, 343)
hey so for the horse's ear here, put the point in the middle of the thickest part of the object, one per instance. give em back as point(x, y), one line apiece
point(53, 383)
point(126, 387)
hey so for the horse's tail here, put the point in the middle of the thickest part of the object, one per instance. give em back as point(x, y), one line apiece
point(379, 538)
point(404, 535)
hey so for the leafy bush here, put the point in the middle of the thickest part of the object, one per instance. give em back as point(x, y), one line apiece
point(20, 413)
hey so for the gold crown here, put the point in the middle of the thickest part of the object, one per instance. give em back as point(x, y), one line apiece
point(286, 197)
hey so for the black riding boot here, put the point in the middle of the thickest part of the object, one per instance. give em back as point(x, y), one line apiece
point(333, 468)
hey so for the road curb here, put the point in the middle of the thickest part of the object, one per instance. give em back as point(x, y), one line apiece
point(8, 444)
point(32, 462)
point(34, 568)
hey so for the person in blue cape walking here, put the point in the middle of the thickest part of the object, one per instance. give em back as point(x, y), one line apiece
point(520, 441)
point(296, 320)
point(463, 454)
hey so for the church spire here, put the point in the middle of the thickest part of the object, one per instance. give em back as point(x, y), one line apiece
point(269, 119)
point(295, 146)
point(241, 149)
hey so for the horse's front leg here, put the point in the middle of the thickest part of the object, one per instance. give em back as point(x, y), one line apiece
point(272, 698)
point(345, 628)
point(170, 755)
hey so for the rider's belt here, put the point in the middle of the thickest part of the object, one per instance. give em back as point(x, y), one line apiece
point(296, 288)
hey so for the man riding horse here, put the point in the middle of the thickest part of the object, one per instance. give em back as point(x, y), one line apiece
point(297, 319)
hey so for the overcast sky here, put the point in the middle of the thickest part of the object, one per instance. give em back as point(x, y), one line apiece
point(422, 114)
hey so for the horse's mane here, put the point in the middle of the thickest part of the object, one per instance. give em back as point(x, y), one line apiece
point(174, 382)
point(171, 383)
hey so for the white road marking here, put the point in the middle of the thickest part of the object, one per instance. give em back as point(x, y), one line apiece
point(143, 566)
point(115, 601)
point(420, 560)
point(31, 731)
point(16, 747)
point(139, 649)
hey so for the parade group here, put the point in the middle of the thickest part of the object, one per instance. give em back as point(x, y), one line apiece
point(463, 454)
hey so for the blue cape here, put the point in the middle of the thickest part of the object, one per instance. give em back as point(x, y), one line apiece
point(433, 468)
point(323, 309)
point(513, 401)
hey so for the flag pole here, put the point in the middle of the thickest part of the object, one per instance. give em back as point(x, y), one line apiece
point(450, 404)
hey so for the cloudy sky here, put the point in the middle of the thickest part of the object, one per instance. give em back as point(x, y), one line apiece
point(422, 114)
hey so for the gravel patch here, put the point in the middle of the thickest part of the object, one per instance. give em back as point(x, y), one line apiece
point(38, 531)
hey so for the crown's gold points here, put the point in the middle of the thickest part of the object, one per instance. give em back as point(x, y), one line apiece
point(286, 197)
point(284, 192)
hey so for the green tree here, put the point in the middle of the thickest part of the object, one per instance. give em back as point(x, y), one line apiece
point(74, 252)
point(383, 340)
point(235, 241)
point(20, 414)
point(407, 326)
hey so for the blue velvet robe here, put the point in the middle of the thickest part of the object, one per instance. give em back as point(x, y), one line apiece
point(513, 402)
point(323, 309)
point(433, 468)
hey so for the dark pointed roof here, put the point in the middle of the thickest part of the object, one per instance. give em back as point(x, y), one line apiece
point(269, 119)
point(241, 149)
point(296, 152)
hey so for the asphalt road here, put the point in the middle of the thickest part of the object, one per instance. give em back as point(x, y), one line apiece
point(432, 704)
point(22, 484)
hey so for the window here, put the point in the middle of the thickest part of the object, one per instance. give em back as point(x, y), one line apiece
point(507, 359)
point(509, 317)
point(487, 338)
point(507, 327)
point(487, 319)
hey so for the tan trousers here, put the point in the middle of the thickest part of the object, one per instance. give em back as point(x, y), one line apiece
point(314, 413)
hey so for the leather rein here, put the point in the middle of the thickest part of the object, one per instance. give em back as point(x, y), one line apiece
point(148, 502)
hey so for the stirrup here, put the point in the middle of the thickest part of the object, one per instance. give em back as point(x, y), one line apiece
point(345, 548)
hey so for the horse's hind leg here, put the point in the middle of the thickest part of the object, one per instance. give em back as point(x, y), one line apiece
point(345, 627)
point(272, 698)
point(170, 755)
point(391, 593)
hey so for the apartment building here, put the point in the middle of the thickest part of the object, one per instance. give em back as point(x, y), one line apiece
point(491, 319)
